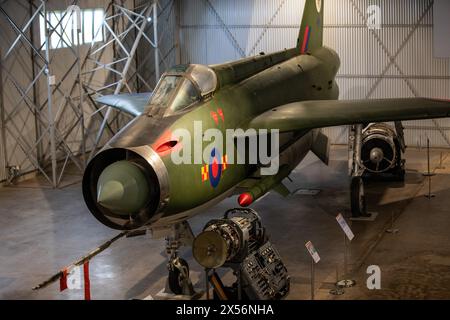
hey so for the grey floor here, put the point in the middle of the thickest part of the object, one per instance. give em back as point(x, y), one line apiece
point(42, 230)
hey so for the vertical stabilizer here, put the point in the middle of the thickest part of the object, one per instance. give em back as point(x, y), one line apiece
point(311, 30)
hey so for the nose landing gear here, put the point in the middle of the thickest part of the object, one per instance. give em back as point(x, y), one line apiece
point(178, 282)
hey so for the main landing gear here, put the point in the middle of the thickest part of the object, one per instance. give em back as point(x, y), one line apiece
point(356, 170)
point(357, 198)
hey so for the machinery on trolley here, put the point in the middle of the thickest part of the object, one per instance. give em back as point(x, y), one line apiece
point(375, 152)
point(239, 242)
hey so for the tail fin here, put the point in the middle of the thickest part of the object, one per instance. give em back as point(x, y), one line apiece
point(311, 30)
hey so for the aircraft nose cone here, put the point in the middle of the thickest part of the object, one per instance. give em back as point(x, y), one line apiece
point(111, 191)
point(123, 188)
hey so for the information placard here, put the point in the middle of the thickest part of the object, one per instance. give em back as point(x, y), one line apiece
point(345, 227)
point(312, 251)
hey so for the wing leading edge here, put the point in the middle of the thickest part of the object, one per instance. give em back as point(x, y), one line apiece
point(329, 113)
point(133, 103)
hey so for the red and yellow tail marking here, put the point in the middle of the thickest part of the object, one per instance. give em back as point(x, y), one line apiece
point(306, 39)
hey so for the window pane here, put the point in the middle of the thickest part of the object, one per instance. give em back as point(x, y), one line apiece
point(67, 25)
point(42, 30)
point(165, 90)
point(55, 31)
point(99, 16)
point(66, 33)
point(186, 96)
point(88, 23)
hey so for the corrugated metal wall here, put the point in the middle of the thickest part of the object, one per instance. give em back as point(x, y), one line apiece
point(396, 61)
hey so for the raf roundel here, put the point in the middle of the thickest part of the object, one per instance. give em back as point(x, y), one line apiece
point(215, 168)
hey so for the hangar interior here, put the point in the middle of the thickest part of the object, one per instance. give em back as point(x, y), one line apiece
point(54, 65)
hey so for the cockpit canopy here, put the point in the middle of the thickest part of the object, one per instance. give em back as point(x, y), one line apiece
point(180, 88)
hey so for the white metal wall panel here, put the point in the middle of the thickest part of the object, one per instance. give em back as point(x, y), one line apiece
point(406, 37)
point(366, 71)
point(251, 27)
point(17, 66)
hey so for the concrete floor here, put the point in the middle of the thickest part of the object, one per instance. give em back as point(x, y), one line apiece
point(42, 230)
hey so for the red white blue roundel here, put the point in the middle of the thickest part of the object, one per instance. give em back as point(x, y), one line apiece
point(215, 168)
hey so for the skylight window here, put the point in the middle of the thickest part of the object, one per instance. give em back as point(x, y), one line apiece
point(66, 25)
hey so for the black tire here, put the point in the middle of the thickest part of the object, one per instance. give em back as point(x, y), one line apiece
point(357, 198)
point(175, 279)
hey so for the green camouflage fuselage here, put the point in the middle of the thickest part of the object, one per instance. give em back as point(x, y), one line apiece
point(297, 78)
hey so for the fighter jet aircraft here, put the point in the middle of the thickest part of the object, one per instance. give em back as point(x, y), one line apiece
point(133, 181)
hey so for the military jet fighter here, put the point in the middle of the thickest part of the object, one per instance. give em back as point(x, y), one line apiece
point(133, 183)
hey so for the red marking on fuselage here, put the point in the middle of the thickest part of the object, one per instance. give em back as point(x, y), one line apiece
point(166, 143)
point(166, 146)
point(215, 117)
point(220, 112)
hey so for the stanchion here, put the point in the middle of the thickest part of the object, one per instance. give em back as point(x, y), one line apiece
point(312, 278)
point(315, 258)
point(348, 236)
point(346, 283)
point(345, 255)
point(392, 229)
point(429, 174)
point(337, 291)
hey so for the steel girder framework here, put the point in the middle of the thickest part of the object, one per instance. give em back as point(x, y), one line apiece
point(51, 143)
point(123, 73)
point(68, 122)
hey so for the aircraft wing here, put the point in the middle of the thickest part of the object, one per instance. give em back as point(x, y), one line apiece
point(329, 113)
point(131, 103)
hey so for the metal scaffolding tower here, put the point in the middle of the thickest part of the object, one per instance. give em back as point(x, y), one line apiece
point(61, 93)
point(51, 136)
point(124, 75)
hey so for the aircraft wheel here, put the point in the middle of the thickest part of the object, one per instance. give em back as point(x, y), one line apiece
point(178, 274)
point(357, 198)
